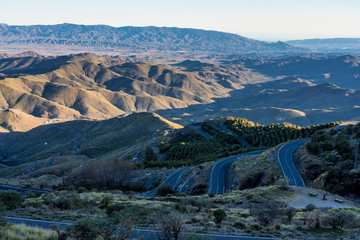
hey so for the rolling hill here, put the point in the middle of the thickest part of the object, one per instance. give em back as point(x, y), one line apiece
point(288, 100)
point(342, 70)
point(134, 39)
point(300, 89)
point(97, 87)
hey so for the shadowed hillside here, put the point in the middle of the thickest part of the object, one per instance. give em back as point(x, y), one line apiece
point(289, 100)
point(341, 70)
point(82, 138)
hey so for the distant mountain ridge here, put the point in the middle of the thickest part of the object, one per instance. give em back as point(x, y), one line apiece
point(329, 45)
point(139, 39)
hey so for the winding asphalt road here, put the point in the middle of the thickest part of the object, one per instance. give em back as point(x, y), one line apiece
point(135, 234)
point(202, 132)
point(217, 177)
point(285, 160)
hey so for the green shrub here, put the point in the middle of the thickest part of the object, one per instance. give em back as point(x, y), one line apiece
point(313, 147)
point(70, 202)
point(194, 220)
point(91, 229)
point(289, 213)
point(82, 190)
point(33, 202)
point(266, 213)
point(114, 207)
point(219, 215)
point(312, 220)
point(239, 224)
point(343, 147)
point(327, 145)
point(256, 226)
point(277, 226)
point(251, 180)
point(11, 199)
point(106, 200)
point(164, 190)
point(199, 189)
point(49, 199)
point(340, 219)
point(181, 208)
point(310, 207)
point(137, 212)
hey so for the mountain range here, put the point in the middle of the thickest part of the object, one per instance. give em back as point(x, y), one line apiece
point(134, 39)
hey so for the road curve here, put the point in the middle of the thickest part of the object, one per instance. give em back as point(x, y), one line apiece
point(198, 129)
point(217, 176)
point(285, 160)
point(147, 234)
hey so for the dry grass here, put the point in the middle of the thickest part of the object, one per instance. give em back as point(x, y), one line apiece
point(21, 232)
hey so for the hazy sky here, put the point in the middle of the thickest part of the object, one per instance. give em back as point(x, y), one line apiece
point(261, 19)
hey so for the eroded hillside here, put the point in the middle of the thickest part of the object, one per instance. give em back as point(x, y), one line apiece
point(94, 87)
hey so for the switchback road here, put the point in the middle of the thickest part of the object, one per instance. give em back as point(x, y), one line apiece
point(217, 177)
point(285, 159)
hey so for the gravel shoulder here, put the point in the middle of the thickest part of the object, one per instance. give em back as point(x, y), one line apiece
point(301, 198)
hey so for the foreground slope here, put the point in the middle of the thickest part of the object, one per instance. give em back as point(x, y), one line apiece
point(83, 138)
point(328, 160)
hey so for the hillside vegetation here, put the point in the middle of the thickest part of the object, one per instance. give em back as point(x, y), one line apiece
point(331, 163)
point(225, 137)
point(273, 134)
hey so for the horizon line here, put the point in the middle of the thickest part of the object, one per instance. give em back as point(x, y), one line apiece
point(256, 36)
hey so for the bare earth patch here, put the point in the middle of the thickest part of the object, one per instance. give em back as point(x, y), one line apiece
point(301, 198)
